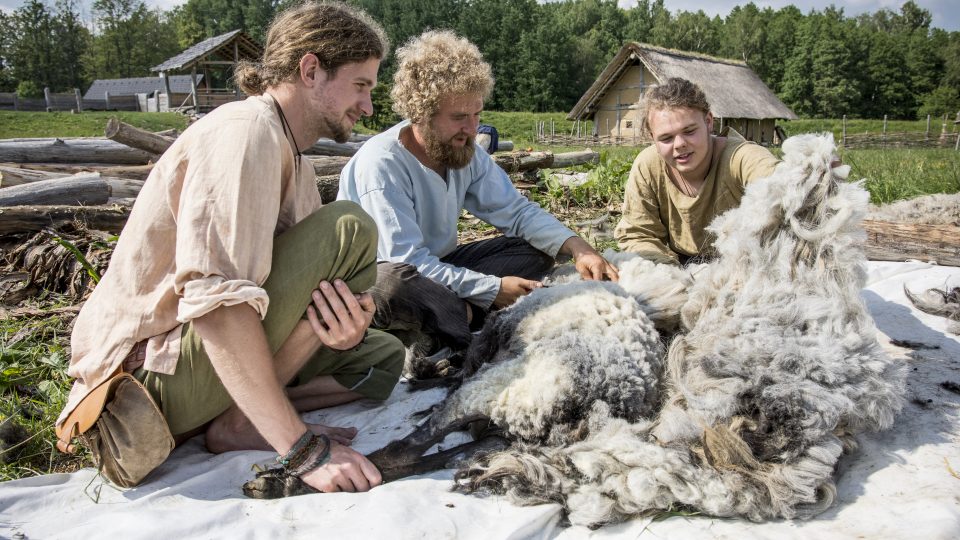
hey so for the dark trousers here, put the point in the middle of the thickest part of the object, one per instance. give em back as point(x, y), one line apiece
point(407, 301)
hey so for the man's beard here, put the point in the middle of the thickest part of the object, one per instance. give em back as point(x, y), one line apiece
point(335, 129)
point(446, 154)
point(330, 125)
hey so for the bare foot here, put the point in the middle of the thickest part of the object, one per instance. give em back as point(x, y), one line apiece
point(228, 433)
point(341, 435)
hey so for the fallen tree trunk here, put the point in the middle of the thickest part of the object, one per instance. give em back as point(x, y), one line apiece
point(124, 188)
point(523, 161)
point(328, 186)
point(137, 172)
point(27, 219)
point(889, 241)
point(70, 190)
point(89, 150)
point(569, 159)
point(15, 176)
point(135, 137)
point(328, 165)
point(327, 147)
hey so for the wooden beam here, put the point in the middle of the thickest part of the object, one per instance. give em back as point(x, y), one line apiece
point(26, 219)
point(70, 190)
point(889, 241)
point(138, 172)
point(78, 150)
point(134, 137)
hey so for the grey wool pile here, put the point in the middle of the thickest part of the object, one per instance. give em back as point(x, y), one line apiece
point(773, 366)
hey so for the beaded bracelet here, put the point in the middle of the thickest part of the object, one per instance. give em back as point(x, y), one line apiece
point(295, 450)
point(318, 455)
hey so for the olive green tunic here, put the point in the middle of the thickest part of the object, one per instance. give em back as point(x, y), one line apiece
point(662, 223)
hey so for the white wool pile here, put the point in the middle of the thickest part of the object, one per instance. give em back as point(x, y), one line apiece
point(936, 209)
point(776, 367)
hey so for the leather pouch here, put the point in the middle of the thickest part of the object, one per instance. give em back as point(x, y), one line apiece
point(123, 428)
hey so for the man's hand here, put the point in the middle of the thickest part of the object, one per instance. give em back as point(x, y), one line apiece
point(343, 316)
point(589, 263)
point(511, 288)
point(347, 470)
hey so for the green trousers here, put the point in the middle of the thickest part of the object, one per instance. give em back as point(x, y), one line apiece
point(337, 241)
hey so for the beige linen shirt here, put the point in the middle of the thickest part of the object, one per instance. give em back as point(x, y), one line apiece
point(660, 221)
point(200, 236)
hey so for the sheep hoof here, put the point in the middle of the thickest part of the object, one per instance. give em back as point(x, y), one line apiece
point(275, 484)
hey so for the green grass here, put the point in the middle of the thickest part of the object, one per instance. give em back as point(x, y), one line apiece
point(862, 126)
point(87, 124)
point(896, 174)
point(34, 386)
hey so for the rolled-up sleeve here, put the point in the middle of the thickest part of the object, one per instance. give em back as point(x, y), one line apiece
point(226, 220)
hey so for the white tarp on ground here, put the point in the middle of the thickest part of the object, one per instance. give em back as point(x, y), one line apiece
point(898, 484)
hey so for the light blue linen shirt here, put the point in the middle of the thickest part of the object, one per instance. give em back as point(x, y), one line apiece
point(416, 211)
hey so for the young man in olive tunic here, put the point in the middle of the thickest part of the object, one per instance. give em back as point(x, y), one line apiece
point(687, 177)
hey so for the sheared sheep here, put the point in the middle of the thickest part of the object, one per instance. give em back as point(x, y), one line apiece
point(775, 369)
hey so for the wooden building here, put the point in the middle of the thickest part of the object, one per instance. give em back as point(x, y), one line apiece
point(148, 94)
point(215, 58)
point(738, 98)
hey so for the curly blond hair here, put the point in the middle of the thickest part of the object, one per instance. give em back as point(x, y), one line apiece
point(336, 33)
point(433, 65)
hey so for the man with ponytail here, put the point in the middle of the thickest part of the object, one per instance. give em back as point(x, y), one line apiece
point(233, 295)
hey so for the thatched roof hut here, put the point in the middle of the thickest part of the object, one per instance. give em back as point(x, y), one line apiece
point(738, 97)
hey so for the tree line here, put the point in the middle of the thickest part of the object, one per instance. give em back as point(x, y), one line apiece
point(822, 64)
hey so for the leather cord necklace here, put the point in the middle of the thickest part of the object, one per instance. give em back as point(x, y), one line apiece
point(288, 131)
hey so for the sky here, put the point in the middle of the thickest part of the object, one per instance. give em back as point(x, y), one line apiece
point(946, 13)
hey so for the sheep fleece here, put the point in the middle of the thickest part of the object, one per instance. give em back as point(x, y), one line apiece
point(775, 368)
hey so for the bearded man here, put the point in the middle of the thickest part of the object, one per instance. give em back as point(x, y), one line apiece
point(416, 178)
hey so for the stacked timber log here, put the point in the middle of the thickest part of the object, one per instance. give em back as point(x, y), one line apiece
point(48, 183)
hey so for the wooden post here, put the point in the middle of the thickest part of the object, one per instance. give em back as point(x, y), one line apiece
point(927, 136)
point(16, 102)
point(884, 138)
point(46, 97)
point(553, 132)
point(193, 88)
point(956, 145)
point(843, 138)
point(76, 94)
point(236, 60)
point(106, 96)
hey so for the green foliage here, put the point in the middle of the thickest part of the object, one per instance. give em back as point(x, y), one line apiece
point(33, 389)
point(123, 26)
point(43, 47)
point(944, 100)
point(544, 54)
point(86, 124)
point(29, 89)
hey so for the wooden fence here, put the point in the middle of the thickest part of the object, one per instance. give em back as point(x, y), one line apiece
point(70, 101)
point(946, 137)
point(581, 134)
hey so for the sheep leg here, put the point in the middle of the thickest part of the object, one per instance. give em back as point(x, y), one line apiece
point(451, 458)
point(406, 453)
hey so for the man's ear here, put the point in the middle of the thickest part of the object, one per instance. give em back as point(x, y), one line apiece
point(311, 72)
point(709, 119)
